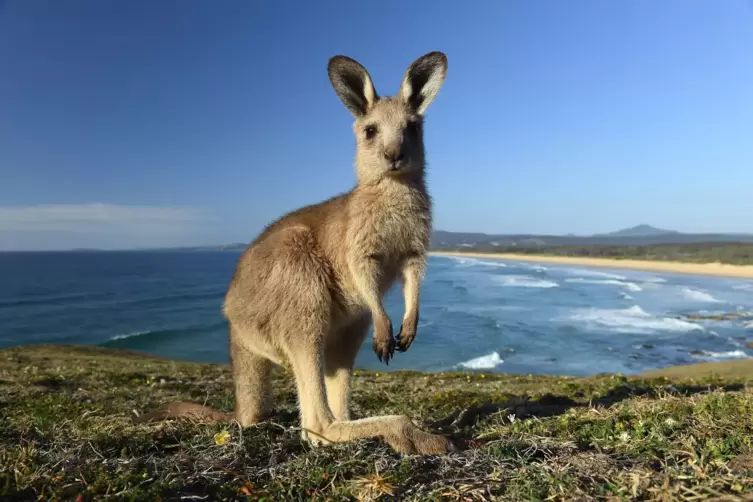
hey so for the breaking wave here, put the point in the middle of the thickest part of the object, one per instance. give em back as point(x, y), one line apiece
point(716, 356)
point(631, 320)
point(630, 286)
point(470, 262)
point(148, 339)
point(488, 361)
point(698, 296)
point(524, 281)
point(594, 273)
point(131, 335)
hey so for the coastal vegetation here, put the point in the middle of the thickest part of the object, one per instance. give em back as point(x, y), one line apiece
point(684, 433)
point(732, 253)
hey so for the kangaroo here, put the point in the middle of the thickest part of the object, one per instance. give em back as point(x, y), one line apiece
point(307, 289)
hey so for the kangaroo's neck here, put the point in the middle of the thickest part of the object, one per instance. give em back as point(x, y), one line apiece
point(392, 192)
point(407, 183)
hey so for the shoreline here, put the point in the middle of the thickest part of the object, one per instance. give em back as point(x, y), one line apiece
point(722, 368)
point(674, 267)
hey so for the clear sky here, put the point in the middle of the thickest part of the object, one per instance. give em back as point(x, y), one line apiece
point(140, 123)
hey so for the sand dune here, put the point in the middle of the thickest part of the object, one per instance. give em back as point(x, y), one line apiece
point(713, 269)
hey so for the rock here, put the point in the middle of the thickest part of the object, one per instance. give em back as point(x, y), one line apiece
point(749, 345)
point(725, 316)
point(697, 353)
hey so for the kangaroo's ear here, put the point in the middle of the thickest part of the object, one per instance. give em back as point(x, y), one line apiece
point(352, 84)
point(422, 81)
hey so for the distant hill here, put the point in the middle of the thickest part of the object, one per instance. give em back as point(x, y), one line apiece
point(641, 231)
point(475, 241)
point(635, 236)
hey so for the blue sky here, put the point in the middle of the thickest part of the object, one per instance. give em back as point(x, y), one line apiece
point(139, 123)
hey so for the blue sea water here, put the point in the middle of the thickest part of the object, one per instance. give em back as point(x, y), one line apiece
point(476, 314)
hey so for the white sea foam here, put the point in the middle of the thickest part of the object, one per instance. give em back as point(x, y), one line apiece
point(749, 325)
point(594, 273)
point(492, 263)
point(656, 280)
point(470, 262)
point(630, 286)
point(461, 261)
point(732, 354)
point(625, 296)
point(631, 320)
point(524, 281)
point(747, 286)
point(536, 268)
point(488, 361)
point(698, 296)
point(129, 335)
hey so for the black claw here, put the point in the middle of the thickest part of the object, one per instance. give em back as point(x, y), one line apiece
point(384, 354)
point(403, 346)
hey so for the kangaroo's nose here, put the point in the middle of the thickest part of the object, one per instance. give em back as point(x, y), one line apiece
point(393, 155)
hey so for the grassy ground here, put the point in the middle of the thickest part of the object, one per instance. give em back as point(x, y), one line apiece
point(66, 434)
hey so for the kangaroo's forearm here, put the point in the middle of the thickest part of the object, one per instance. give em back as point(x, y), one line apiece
point(413, 273)
point(365, 273)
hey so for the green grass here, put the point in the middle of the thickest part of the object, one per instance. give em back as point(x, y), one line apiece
point(65, 432)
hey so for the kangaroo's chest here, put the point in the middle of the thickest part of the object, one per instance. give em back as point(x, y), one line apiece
point(397, 227)
point(388, 227)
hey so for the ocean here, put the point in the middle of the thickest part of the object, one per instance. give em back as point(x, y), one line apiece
point(476, 314)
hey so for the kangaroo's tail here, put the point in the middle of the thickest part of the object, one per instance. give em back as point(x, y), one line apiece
point(182, 410)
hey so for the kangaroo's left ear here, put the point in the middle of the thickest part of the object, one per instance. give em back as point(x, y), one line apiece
point(352, 83)
point(422, 81)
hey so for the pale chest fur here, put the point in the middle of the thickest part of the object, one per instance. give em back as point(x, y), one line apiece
point(390, 224)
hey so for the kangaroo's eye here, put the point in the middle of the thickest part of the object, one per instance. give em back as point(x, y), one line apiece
point(370, 131)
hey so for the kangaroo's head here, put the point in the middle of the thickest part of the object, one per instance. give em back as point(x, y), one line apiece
point(389, 130)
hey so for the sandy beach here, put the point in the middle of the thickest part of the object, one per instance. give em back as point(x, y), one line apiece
point(711, 269)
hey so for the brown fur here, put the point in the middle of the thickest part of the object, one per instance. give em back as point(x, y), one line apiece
point(305, 292)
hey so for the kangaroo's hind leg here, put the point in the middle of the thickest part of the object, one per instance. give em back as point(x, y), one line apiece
point(319, 423)
point(251, 379)
point(340, 355)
